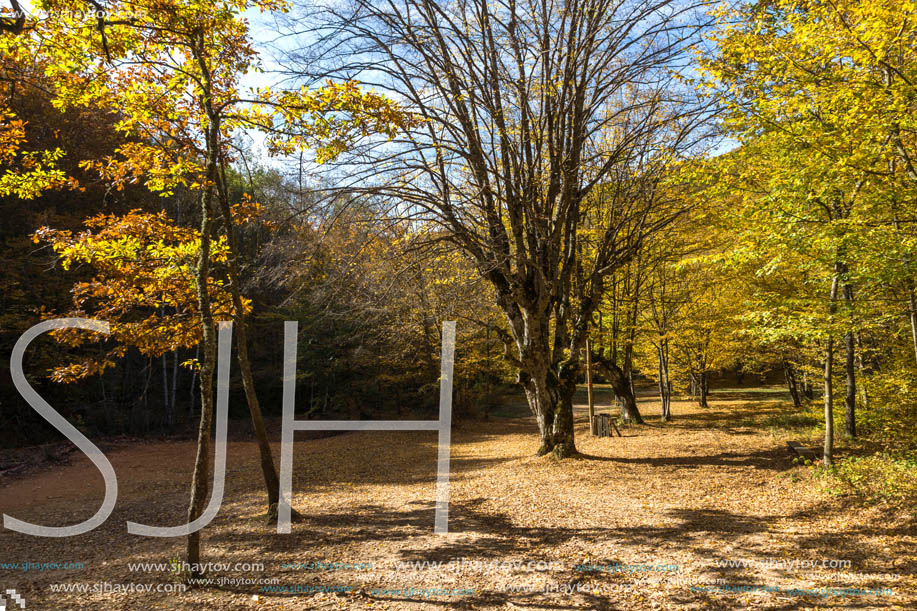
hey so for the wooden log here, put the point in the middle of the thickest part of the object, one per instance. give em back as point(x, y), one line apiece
point(802, 451)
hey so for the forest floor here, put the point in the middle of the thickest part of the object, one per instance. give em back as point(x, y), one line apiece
point(645, 521)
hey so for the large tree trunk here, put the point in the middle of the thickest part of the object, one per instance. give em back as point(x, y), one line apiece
point(564, 442)
point(540, 402)
point(550, 398)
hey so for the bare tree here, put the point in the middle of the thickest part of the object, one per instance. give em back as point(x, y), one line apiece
point(536, 114)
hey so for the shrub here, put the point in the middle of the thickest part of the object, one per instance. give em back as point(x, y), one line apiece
point(877, 478)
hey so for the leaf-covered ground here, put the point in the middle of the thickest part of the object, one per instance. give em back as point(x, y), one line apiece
point(714, 485)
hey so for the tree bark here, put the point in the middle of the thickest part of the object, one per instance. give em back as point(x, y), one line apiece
point(789, 372)
point(589, 387)
point(862, 367)
point(201, 475)
point(622, 387)
point(829, 403)
point(631, 339)
point(543, 396)
point(527, 179)
point(550, 398)
point(829, 387)
point(704, 388)
point(191, 399)
point(628, 411)
point(912, 315)
point(665, 386)
point(564, 443)
point(905, 159)
point(165, 390)
point(541, 404)
point(174, 385)
point(850, 367)
point(850, 399)
point(807, 390)
point(548, 381)
point(269, 471)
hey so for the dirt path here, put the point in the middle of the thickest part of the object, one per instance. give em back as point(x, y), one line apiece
point(639, 522)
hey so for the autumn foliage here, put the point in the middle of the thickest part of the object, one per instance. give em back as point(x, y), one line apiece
point(143, 285)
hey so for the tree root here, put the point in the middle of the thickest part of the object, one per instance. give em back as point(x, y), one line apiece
point(272, 516)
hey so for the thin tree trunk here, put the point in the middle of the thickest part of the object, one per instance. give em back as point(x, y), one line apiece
point(668, 385)
point(191, 402)
point(201, 475)
point(850, 367)
point(905, 159)
point(102, 387)
point(628, 373)
point(850, 399)
point(912, 314)
point(861, 366)
point(165, 389)
point(789, 373)
point(665, 386)
point(147, 373)
point(589, 387)
point(271, 481)
point(142, 428)
point(704, 388)
point(174, 385)
point(807, 390)
point(661, 379)
point(629, 408)
point(829, 387)
point(829, 403)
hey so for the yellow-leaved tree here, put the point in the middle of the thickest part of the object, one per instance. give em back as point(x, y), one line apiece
point(173, 71)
